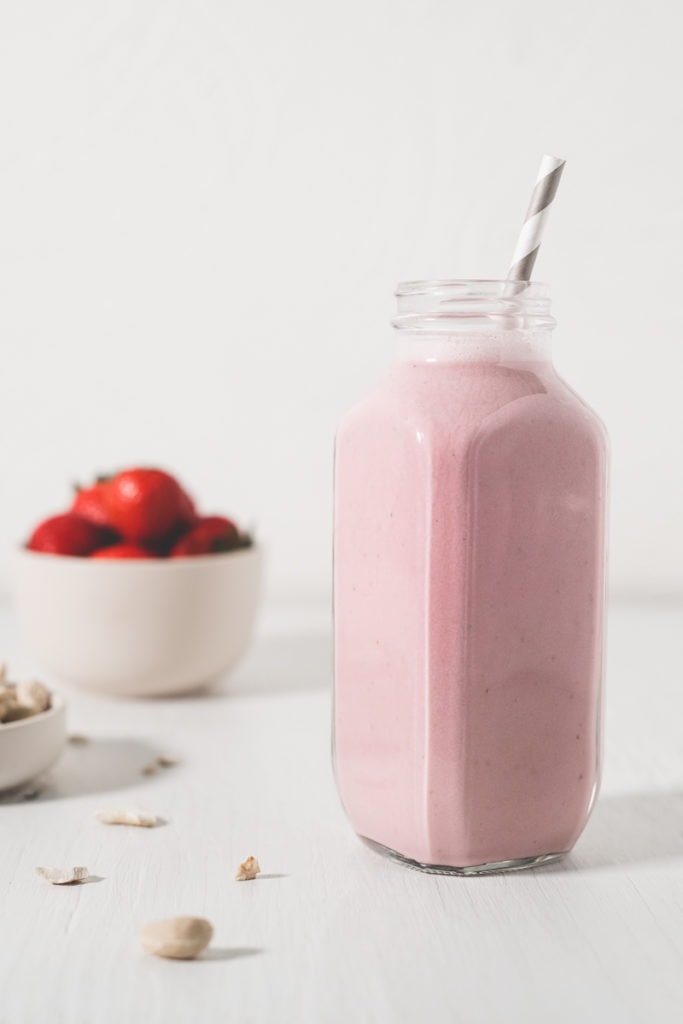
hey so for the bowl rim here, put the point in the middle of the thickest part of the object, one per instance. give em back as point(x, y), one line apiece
point(57, 706)
point(140, 564)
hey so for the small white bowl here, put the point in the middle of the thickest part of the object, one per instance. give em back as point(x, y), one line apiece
point(29, 746)
point(138, 628)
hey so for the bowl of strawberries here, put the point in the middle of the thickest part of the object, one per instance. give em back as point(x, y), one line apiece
point(131, 592)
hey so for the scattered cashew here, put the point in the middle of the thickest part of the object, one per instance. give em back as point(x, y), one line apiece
point(128, 816)
point(248, 870)
point(63, 876)
point(180, 938)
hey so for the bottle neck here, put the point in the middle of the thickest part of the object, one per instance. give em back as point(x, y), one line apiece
point(473, 322)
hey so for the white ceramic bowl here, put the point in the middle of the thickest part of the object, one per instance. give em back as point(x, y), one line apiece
point(30, 746)
point(138, 628)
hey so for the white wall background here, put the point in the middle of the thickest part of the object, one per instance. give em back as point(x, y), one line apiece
point(205, 205)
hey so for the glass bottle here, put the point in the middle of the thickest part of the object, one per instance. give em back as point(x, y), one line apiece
point(469, 589)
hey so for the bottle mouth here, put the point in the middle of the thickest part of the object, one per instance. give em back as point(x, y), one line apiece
point(474, 305)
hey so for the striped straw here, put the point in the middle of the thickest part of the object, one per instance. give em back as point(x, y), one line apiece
point(531, 235)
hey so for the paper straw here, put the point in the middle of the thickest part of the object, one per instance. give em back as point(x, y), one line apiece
point(531, 235)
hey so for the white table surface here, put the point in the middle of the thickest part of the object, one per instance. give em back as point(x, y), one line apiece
point(331, 932)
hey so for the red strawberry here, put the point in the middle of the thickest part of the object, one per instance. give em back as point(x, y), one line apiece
point(68, 534)
point(147, 504)
point(188, 512)
point(123, 551)
point(210, 534)
point(91, 503)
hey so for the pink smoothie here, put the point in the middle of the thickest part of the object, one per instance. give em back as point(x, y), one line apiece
point(469, 578)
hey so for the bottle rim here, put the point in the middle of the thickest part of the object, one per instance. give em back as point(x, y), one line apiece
point(473, 286)
point(448, 306)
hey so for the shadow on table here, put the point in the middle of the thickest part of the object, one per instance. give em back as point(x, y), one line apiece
point(228, 953)
point(97, 767)
point(279, 664)
point(630, 829)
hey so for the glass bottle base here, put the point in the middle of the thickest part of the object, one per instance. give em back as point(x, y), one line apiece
point(497, 867)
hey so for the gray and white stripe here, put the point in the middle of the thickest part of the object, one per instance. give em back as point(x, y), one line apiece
point(530, 237)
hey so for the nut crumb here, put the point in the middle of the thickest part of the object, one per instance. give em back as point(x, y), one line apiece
point(248, 870)
point(79, 740)
point(165, 761)
point(128, 816)
point(63, 876)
